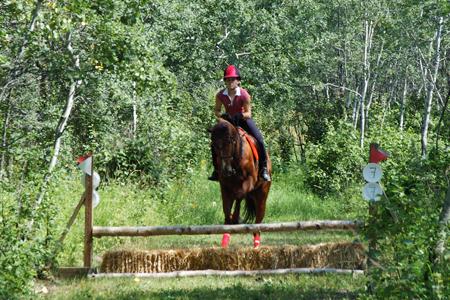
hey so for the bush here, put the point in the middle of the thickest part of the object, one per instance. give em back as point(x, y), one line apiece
point(16, 260)
point(405, 225)
point(24, 254)
point(337, 162)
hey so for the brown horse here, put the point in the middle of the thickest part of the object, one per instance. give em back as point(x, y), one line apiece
point(238, 177)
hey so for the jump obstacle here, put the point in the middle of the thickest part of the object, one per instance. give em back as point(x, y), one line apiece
point(92, 231)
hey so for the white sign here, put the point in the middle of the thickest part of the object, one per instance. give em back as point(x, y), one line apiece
point(372, 173)
point(95, 199)
point(85, 165)
point(95, 180)
point(372, 191)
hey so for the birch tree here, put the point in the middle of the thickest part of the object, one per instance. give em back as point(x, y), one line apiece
point(431, 82)
point(59, 129)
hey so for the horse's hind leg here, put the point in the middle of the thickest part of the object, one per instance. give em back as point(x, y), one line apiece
point(235, 219)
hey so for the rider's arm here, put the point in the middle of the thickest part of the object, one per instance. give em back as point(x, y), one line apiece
point(247, 109)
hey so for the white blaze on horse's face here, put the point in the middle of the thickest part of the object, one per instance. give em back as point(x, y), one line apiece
point(226, 157)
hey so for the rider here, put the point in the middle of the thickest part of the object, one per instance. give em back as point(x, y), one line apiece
point(236, 101)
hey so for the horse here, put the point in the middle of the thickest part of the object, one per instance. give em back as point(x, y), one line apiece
point(238, 177)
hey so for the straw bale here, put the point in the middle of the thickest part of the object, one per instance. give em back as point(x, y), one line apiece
point(327, 255)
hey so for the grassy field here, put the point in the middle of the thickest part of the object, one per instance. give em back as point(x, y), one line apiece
point(197, 202)
point(268, 287)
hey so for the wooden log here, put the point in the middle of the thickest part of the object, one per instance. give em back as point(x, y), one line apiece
point(72, 219)
point(73, 272)
point(99, 231)
point(230, 273)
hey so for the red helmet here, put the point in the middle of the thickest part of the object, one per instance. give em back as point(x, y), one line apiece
point(231, 72)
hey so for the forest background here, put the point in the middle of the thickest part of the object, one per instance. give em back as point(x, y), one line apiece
point(134, 82)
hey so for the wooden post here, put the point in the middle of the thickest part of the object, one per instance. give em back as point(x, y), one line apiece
point(88, 218)
point(376, 155)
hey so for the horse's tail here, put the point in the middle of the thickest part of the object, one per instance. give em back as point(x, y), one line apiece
point(250, 209)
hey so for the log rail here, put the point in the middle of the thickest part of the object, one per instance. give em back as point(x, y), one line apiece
point(100, 231)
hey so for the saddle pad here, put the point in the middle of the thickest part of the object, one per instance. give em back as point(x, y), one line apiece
point(251, 142)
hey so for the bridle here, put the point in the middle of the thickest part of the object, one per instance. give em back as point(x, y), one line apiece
point(235, 154)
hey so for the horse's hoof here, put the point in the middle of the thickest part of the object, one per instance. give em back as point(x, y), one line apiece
point(226, 240)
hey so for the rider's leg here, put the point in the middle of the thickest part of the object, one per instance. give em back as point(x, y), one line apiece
point(254, 131)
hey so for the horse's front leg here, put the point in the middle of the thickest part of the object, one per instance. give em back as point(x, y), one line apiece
point(227, 204)
point(261, 198)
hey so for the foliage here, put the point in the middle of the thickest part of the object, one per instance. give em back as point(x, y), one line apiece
point(336, 163)
point(23, 258)
point(405, 226)
point(17, 259)
point(148, 73)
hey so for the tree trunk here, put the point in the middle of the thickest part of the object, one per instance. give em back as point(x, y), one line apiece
point(430, 89)
point(5, 139)
point(58, 134)
point(402, 104)
point(369, 30)
point(372, 89)
point(444, 108)
point(134, 126)
point(355, 114)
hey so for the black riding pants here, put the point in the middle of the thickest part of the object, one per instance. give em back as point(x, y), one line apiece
point(250, 126)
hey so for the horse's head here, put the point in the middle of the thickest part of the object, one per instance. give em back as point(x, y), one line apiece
point(225, 141)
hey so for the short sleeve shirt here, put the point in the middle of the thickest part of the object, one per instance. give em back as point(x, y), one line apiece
point(237, 105)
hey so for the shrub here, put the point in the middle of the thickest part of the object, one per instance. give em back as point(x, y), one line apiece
point(337, 162)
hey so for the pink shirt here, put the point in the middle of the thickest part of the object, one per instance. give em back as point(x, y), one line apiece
point(232, 108)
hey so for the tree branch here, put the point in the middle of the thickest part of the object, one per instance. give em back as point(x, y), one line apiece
point(343, 88)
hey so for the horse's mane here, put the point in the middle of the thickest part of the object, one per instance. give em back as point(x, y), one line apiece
point(222, 129)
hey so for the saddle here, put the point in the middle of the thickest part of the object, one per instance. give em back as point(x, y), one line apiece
point(251, 141)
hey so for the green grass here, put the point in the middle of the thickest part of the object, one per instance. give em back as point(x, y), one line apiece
point(256, 287)
point(197, 202)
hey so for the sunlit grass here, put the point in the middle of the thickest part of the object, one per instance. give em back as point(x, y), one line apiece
point(255, 287)
point(197, 201)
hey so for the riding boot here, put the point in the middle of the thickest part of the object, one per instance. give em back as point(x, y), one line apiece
point(214, 176)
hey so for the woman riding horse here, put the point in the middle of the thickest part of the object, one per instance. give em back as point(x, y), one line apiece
point(235, 162)
point(237, 103)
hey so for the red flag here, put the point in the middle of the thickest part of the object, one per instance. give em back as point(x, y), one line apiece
point(84, 163)
point(376, 154)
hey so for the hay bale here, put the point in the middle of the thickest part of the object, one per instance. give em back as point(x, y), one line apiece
point(328, 255)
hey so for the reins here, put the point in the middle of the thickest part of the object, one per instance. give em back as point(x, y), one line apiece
point(236, 154)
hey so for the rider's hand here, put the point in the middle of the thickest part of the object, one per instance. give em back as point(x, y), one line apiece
point(225, 116)
point(237, 118)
